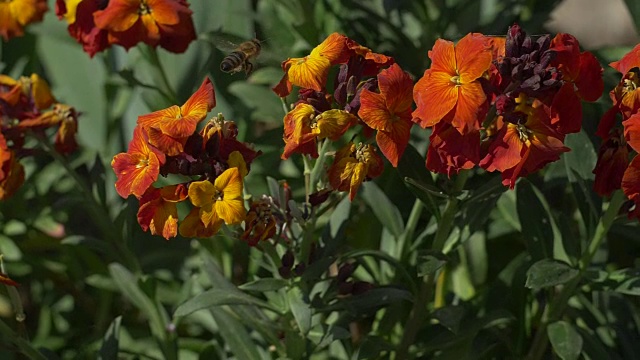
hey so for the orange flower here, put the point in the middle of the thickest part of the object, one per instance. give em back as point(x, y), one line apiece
point(34, 88)
point(302, 127)
point(169, 128)
point(166, 23)
point(450, 89)
point(139, 167)
point(220, 200)
point(311, 71)
point(16, 14)
point(11, 171)
point(628, 61)
point(193, 227)
point(158, 210)
point(523, 148)
point(66, 118)
point(79, 16)
point(389, 112)
point(353, 165)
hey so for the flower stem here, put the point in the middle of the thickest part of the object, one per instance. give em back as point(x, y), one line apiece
point(164, 87)
point(559, 303)
point(419, 309)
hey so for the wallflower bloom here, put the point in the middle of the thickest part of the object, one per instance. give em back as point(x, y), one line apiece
point(192, 226)
point(311, 71)
point(32, 88)
point(220, 200)
point(166, 23)
point(139, 167)
point(389, 112)
point(581, 69)
point(79, 16)
point(158, 210)
point(613, 159)
point(63, 116)
point(450, 89)
point(169, 129)
point(260, 223)
point(16, 14)
point(525, 147)
point(11, 171)
point(449, 151)
point(303, 126)
point(354, 165)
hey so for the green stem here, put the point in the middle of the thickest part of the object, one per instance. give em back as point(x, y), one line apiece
point(559, 303)
point(410, 228)
point(98, 212)
point(23, 346)
point(419, 309)
point(165, 86)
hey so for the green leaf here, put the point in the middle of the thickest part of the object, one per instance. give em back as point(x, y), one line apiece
point(634, 10)
point(548, 272)
point(218, 297)
point(582, 157)
point(235, 335)
point(370, 300)
point(450, 317)
point(429, 264)
point(300, 309)
point(566, 341)
point(535, 219)
point(110, 342)
point(630, 287)
point(262, 285)
point(386, 212)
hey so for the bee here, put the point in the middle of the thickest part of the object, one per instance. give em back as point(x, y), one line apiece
point(240, 58)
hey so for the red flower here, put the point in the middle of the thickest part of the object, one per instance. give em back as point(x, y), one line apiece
point(389, 112)
point(631, 184)
point(450, 89)
point(581, 69)
point(158, 210)
point(628, 61)
point(523, 148)
point(449, 151)
point(79, 16)
point(139, 167)
point(11, 171)
point(166, 23)
point(613, 159)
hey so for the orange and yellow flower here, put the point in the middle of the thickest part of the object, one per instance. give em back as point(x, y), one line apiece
point(34, 89)
point(389, 112)
point(311, 71)
point(166, 23)
point(169, 128)
point(139, 167)
point(158, 210)
point(16, 14)
point(193, 227)
point(260, 223)
point(353, 165)
point(523, 148)
point(220, 201)
point(303, 126)
point(449, 90)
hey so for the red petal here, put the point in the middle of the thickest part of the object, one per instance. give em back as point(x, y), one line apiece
point(589, 83)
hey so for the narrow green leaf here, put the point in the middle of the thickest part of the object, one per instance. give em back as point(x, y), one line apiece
point(549, 272)
point(218, 297)
point(110, 342)
point(386, 212)
point(450, 317)
point(535, 219)
point(262, 285)
point(370, 300)
point(566, 341)
point(429, 264)
point(235, 335)
point(300, 309)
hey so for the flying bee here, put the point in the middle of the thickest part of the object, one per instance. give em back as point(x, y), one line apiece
point(240, 58)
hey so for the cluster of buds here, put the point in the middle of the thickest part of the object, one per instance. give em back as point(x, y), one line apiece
point(348, 286)
point(504, 104)
point(28, 107)
point(168, 142)
point(98, 24)
point(369, 90)
point(620, 132)
point(16, 14)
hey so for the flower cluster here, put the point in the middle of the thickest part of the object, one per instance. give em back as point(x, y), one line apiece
point(369, 90)
point(28, 107)
point(168, 142)
point(504, 104)
point(619, 138)
point(98, 24)
point(16, 14)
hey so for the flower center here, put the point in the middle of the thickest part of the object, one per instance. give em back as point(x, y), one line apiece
point(218, 196)
point(456, 80)
point(144, 8)
point(143, 162)
point(523, 132)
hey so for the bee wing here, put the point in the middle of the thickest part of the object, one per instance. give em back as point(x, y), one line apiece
point(223, 41)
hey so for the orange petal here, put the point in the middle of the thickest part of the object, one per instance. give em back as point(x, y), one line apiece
point(443, 57)
point(119, 15)
point(470, 98)
point(632, 131)
point(310, 72)
point(473, 56)
point(333, 123)
point(393, 143)
point(202, 101)
point(166, 12)
point(192, 226)
point(331, 48)
point(628, 61)
point(396, 86)
point(435, 95)
point(373, 110)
